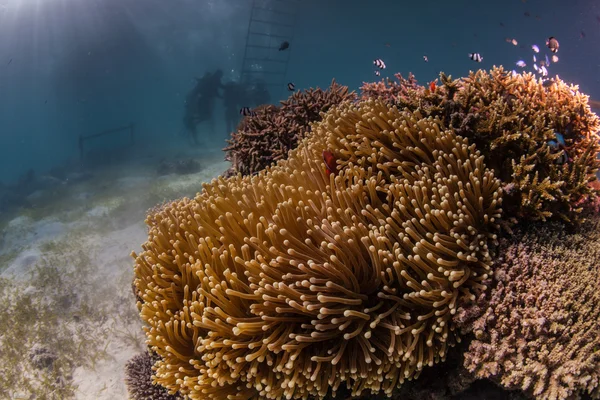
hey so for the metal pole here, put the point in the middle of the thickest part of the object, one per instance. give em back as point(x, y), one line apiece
point(242, 78)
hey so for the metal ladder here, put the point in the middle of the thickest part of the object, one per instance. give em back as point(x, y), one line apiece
point(271, 23)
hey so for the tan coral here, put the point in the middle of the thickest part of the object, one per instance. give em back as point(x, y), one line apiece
point(294, 282)
point(541, 329)
point(512, 118)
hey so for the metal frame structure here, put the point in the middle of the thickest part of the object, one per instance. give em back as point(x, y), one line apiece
point(271, 23)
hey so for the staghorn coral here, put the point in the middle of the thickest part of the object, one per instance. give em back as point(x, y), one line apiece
point(295, 283)
point(138, 377)
point(540, 329)
point(272, 132)
point(391, 91)
point(511, 118)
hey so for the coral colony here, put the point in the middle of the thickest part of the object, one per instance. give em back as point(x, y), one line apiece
point(457, 221)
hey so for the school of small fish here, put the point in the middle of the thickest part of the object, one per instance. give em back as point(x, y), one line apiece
point(540, 67)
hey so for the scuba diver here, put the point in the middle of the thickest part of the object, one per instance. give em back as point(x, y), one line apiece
point(200, 101)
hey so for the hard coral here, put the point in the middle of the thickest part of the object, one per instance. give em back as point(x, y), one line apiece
point(295, 282)
point(269, 135)
point(138, 377)
point(540, 329)
point(391, 91)
point(512, 120)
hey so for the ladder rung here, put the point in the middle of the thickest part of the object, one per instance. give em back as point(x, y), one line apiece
point(271, 23)
point(268, 34)
point(273, 11)
point(266, 59)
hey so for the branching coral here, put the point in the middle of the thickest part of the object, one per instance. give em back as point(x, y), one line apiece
point(272, 132)
point(391, 91)
point(138, 377)
point(540, 329)
point(512, 119)
point(294, 282)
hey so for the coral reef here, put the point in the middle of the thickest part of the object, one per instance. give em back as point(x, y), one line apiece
point(539, 328)
point(513, 120)
point(271, 132)
point(389, 90)
point(296, 283)
point(138, 377)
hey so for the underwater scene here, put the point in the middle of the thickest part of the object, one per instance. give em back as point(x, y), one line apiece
point(299, 199)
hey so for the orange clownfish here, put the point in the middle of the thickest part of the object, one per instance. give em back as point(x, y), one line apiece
point(432, 86)
point(330, 165)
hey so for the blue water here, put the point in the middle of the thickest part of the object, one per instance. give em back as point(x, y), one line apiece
point(79, 67)
point(76, 68)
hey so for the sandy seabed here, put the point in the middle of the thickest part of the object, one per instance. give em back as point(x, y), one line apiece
point(69, 258)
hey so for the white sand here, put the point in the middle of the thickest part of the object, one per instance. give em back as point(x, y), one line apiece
point(106, 225)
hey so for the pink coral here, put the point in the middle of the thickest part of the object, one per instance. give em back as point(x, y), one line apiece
point(390, 90)
point(540, 330)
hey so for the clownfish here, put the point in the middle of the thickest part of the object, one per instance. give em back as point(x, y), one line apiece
point(330, 164)
point(432, 86)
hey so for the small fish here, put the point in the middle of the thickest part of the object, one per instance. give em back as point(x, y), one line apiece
point(432, 85)
point(9, 61)
point(521, 64)
point(547, 82)
point(377, 73)
point(46, 102)
point(543, 71)
point(559, 144)
point(547, 59)
point(512, 41)
point(535, 67)
point(502, 24)
point(582, 34)
point(534, 58)
point(552, 44)
point(476, 57)
point(284, 45)
point(598, 18)
point(527, 14)
point(330, 164)
point(425, 59)
point(246, 111)
point(387, 45)
point(554, 58)
point(291, 87)
point(535, 48)
point(379, 63)
point(560, 138)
